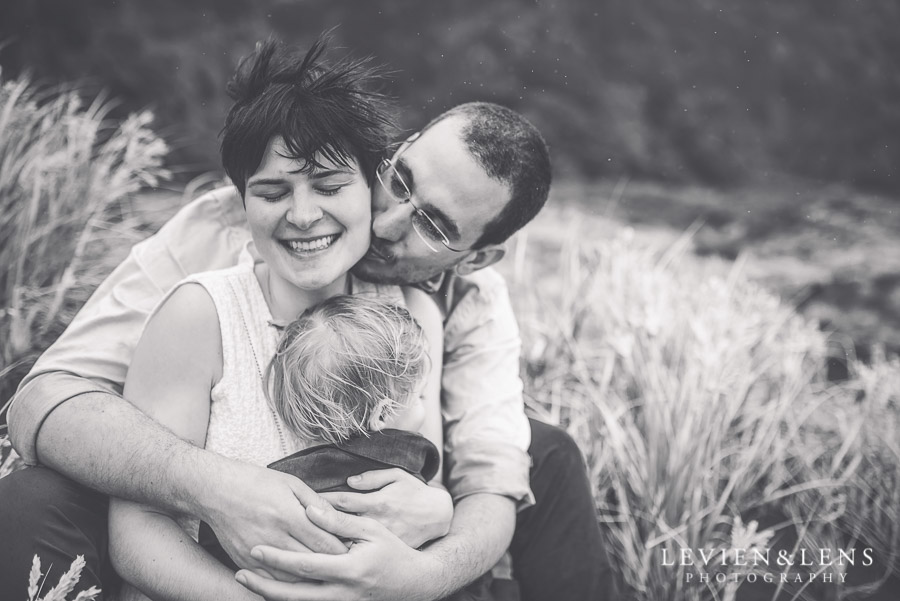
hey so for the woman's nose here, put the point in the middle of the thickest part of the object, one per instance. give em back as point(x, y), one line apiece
point(304, 210)
point(392, 222)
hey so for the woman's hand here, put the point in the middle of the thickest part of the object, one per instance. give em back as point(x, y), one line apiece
point(412, 510)
point(378, 567)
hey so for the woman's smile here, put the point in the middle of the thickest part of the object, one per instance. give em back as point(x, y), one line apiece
point(308, 246)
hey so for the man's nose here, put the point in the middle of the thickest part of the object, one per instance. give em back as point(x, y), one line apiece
point(304, 211)
point(392, 222)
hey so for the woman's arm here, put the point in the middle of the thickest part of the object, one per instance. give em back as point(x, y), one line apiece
point(175, 365)
point(423, 309)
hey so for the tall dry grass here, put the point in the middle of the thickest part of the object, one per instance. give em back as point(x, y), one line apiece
point(700, 402)
point(66, 585)
point(67, 176)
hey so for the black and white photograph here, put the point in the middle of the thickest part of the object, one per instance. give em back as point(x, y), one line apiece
point(521, 300)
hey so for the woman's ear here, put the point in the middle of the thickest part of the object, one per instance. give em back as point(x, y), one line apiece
point(481, 258)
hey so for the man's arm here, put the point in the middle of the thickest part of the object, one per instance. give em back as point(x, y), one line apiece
point(379, 566)
point(486, 431)
point(68, 413)
point(92, 355)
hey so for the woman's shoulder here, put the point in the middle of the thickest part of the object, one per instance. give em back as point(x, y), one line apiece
point(186, 324)
point(423, 308)
point(189, 305)
point(196, 301)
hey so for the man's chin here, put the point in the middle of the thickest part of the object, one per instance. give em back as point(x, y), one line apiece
point(376, 272)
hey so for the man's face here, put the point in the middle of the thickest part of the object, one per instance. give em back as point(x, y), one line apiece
point(451, 187)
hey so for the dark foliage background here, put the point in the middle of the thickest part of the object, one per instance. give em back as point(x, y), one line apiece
point(719, 93)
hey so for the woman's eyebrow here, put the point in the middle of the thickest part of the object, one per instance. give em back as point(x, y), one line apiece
point(329, 172)
point(265, 182)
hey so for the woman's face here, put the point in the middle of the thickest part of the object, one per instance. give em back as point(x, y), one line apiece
point(309, 227)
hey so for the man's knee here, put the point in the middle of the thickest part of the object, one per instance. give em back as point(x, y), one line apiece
point(48, 515)
point(47, 510)
point(553, 447)
point(37, 495)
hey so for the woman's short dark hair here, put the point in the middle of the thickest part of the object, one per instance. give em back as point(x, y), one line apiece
point(316, 107)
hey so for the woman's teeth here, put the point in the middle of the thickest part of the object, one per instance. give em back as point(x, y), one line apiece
point(309, 245)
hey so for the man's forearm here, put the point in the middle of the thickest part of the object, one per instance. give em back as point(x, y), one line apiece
point(104, 442)
point(107, 444)
point(481, 531)
point(381, 566)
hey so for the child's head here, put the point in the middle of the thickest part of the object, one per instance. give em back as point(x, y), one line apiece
point(350, 365)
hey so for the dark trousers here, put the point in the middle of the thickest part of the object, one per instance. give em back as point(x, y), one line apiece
point(556, 549)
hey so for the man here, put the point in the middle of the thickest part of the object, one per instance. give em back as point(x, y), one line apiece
point(450, 198)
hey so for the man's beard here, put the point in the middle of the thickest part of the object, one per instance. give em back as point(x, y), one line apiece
point(381, 268)
point(382, 276)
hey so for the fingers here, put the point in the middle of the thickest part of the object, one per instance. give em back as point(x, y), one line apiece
point(270, 573)
point(342, 524)
point(316, 539)
point(307, 533)
point(273, 590)
point(377, 479)
point(304, 493)
point(313, 566)
point(350, 502)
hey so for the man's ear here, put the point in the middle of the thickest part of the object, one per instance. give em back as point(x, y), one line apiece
point(481, 258)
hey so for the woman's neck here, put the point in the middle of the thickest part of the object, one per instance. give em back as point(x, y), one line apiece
point(286, 302)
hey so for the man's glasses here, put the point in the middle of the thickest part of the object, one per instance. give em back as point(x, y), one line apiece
point(392, 182)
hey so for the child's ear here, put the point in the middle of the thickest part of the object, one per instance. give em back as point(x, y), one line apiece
point(379, 414)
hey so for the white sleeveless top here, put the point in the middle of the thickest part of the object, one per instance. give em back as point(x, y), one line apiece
point(243, 424)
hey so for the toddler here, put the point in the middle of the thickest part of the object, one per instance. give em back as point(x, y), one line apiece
point(347, 378)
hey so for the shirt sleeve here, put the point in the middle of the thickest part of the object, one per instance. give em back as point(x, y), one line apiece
point(94, 352)
point(487, 434)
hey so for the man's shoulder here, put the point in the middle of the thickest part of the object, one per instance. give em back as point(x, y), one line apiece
point(473, 297)
point(215, 209)
point(207, 233)
point(485, 283)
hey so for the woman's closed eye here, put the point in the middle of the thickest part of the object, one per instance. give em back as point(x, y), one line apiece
point(331, 189)
point(273, 196)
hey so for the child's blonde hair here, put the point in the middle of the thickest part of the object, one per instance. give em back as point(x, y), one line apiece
point(345, 365)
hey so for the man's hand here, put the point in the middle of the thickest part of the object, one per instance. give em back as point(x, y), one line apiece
point(415, 512)
point(378, 566)
point(258, 506)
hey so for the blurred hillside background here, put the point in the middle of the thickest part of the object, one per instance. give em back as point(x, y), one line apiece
point(776, 123)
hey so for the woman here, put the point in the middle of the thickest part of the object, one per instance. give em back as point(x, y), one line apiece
point(301, 143)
